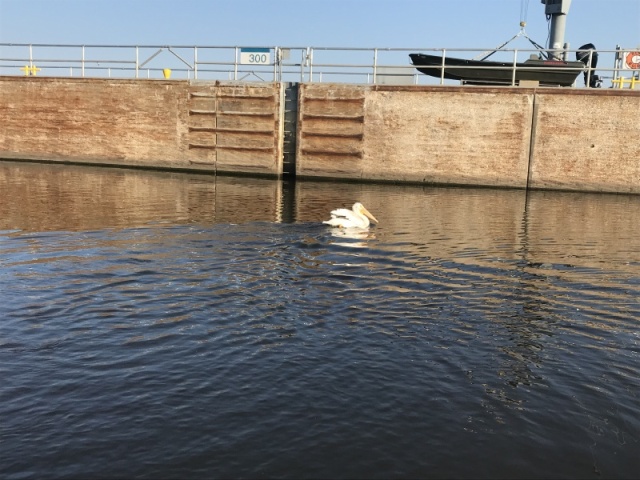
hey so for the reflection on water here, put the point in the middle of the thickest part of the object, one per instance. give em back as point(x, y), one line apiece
point(179, 326)
point(349, 234)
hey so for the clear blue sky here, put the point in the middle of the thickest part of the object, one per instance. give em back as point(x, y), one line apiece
point(315, 23)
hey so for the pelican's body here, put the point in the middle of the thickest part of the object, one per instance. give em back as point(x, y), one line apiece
point(357, 217)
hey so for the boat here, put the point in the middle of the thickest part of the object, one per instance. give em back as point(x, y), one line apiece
point(544, 71)
point(550, 67)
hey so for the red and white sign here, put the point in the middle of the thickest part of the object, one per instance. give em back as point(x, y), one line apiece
point(631, 60)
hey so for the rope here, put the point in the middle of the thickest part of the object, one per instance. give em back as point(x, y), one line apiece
point(538, 46)
point(524, 10)
point(521, 32)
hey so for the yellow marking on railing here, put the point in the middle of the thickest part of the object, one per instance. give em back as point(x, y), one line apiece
point(620, 82)
point(30, 70)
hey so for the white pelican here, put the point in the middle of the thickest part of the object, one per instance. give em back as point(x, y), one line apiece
point(357, 217)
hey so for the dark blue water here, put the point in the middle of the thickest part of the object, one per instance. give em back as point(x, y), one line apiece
point(180, 326)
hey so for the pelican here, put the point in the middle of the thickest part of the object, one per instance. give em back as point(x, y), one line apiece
point(357, 217)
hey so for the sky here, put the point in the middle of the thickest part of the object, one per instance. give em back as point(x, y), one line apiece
point(419, 24)
point(315, 23)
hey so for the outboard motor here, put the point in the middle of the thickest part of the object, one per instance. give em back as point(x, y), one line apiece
point(594, 81)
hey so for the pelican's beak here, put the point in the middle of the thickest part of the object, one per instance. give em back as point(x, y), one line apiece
point(368, 214)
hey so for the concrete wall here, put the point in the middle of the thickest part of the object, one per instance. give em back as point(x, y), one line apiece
point(118, 121)
point(587, 140)
point(546, 138)
point(419, 134)
point(236, 127)
point(168, 124)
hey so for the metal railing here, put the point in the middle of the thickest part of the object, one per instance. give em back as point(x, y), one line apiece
point(266, 64)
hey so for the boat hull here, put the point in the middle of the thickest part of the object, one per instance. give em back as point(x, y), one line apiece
point(547, 72)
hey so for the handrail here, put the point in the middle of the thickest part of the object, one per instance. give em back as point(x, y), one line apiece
point(305, 64)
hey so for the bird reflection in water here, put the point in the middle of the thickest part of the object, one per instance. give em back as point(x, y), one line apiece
point(352, 237)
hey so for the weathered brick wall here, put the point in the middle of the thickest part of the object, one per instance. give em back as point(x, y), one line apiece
point(587, 140)
point(108, 121)
point(418, 134)
point(453, 136)
point(555, 138)
point(547, 138)
point(212, 126)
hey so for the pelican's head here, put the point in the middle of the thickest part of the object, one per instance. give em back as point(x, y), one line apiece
point(359, 208)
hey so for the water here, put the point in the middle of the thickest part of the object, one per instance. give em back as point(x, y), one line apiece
point(158, 325)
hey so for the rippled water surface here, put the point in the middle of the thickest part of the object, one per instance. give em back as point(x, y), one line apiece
point(159, 325)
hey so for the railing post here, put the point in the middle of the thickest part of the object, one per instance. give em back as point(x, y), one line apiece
point(618, 62)
point(235, 66)
point(588, 82)
point(513, 71)
point(375, 66)
point(83, 58)
point(195, 63)
point(442, 67)
point(275, 64)
point(137, 62)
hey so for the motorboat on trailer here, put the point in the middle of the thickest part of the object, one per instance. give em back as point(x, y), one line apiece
point(550, 67)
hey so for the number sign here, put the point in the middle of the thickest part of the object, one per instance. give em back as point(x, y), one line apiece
point(255, 56)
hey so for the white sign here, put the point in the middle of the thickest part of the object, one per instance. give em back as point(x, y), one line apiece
point(255, 56)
